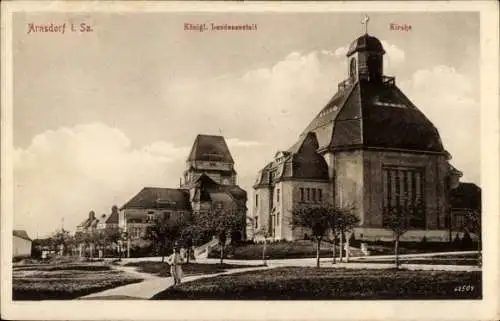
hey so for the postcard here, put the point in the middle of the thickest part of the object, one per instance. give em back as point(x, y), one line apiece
point(250, 161)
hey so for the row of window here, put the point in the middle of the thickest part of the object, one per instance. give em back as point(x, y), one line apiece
point(275, 220)
point(306, 195)
point(311, 195)
point(403, 190)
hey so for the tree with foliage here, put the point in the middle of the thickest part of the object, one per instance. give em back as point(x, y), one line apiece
point(164, 231)
point(112, 236)
point(61, 238)
point(398, 221)
point(263, 231)
point(317, 219)
point(345, 223)
point(220, 223)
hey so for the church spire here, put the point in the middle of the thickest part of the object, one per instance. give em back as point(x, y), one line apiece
point(365, 21)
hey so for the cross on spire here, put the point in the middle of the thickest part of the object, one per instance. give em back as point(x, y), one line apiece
point(365, 21)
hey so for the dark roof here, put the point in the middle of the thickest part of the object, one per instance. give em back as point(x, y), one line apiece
point(301, 161)
point(366, 43)
point(466, 196)
point(210, 148)
point(22, 234)
point(160, 198)
point(374, 114)
point(113, 218)
point(206, 186)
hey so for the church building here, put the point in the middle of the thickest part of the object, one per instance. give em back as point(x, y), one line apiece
point(371, 149)
point(208, 183)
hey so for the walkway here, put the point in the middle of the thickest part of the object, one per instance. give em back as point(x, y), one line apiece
point(152, 284)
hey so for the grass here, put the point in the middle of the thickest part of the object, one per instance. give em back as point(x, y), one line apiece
point(278, 250)
point(464, 259)
point(298, 283)
point(163, 269)
point(64, 281)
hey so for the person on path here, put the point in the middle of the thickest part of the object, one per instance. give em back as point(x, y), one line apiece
point(175, 261)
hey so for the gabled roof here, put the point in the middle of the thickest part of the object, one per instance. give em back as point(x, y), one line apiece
point(210, 148)
point(21, 234)
point(160, 198)
point(206, 187)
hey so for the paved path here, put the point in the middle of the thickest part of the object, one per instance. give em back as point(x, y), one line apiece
point(152, 284)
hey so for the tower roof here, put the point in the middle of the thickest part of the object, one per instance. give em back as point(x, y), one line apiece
point(366, 43)
point(210, 148)
point(375, 115)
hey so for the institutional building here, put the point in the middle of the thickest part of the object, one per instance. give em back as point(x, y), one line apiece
point(208, 183)
point(370, 148)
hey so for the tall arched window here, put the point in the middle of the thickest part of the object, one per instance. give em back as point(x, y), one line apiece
point(352, 68)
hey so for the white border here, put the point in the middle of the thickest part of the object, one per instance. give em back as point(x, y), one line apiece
point(486, 309)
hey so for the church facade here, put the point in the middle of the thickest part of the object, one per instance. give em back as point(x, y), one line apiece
point(208, 183)
point(371, 149)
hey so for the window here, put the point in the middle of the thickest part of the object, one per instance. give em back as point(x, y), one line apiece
point(308, 193)
point(256, 222)
point(314, 195)
point(403, 191)
point(301, 190)
point(278, 219)
point(352, 69)
point(166, 215)
point(257, 200)
point(277, 195)
point(320, 196)
point(150, 217)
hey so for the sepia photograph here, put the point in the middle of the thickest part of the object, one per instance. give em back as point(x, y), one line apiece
point(248, 154)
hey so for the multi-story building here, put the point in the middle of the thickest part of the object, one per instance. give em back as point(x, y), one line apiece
point(371, 149)
point(208, 183)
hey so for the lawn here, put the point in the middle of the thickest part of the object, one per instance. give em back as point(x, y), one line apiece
point(64, 281)
point(163, 269)
point(278, 250)
point(464, 259)
point(296, 283)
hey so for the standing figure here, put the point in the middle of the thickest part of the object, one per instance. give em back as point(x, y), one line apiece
point(175, 261)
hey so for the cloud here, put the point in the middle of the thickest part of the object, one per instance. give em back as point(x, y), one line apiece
point(447, 98)
point(71, 170)
point(394, 57)
point(236, 142)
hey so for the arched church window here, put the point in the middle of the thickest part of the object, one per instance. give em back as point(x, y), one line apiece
point(352, 68)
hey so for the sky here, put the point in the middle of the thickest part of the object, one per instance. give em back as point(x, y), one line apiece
point(99, 115)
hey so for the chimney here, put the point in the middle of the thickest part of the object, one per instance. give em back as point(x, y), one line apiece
point(91, 215)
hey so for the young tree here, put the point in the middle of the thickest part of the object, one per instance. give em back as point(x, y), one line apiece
point(221, 222)
point(316, 219)
point(397, 220)
point(346, 222)
point(264, 232)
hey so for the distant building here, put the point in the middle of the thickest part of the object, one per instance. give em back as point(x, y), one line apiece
point(21, 244)
point(369, 148)
point(208, 183)
point(465, 200)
